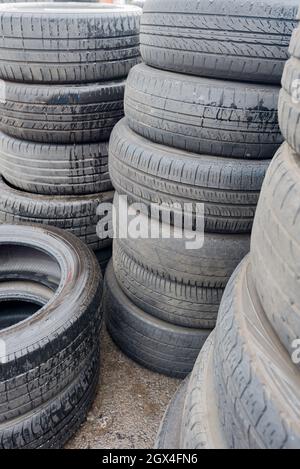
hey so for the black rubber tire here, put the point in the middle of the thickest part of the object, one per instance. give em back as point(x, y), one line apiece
point(154, 344)
point(55, 169)
point(175, 284)
point(55, 43)
point(275, 246)
point(77, 214)
point(258, 387)
point(150, 173)
point(289, 100)
point(235, 40)
point(51, 359)
point(168, 436)
point(203, 115)
point(63, 114)
point(200, 428)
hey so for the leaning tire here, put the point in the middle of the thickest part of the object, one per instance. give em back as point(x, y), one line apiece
point(155, 344)
point(61, 114)
point(200, 427)
point(149, 173)
point(50, 363)
point(77, 214)
point(177, 285)
point(257, 383)
point(233, 40)
point(55, 169)
point(289, 101)
point(202, 115)
point(45, 43)
point(275, 246)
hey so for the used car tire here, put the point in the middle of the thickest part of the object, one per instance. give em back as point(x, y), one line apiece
point(77, 214)
point(63, 114)
point(234, 40)
point(200, 428)
point(149, 173)
point(203, 115)
point(50, 359)
point(289, 100)
point(52, 43)
point(257, 383)
point(177, 285)
point(155, 344)
point(275, 249)
point(55, 169)
point(168, 436)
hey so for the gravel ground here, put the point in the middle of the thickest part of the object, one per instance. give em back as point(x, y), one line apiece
point(129, 406)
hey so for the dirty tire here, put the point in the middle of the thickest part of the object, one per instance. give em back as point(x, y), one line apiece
point(77, 214)
point(289, 101)
point(57, 360)
point(150, 173)
point(154, 344)
point(203, 115)
point(55, 169)
point(275, 246)
point(233, 40)
point(257, 383)
point(61, 114)
point(168, 436)
point(200, 427)
point(52, 43)
point(175, 284)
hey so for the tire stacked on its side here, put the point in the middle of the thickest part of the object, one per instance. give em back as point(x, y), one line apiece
point(244, 390)
point(63, 69)
point(189, 138)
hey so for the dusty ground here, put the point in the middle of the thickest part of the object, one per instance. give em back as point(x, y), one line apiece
point(129, 405)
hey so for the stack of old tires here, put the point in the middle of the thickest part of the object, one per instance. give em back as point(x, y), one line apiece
point(63, 69)
point(50, 320)
point(244, 391)
point(200, 127)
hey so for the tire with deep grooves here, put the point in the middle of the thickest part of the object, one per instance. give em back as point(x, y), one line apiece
point(50, 367)
point(77, 214)
point(289, 100)
point(61, 114)
point(234, 40)
point(53, 43)
point(257, 383)
point(152, 173)
point(203, 115)
point(275, 246)
point(55, 169)
point(155, 344)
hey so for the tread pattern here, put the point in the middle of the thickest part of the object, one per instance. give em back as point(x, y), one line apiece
point(151, 173)
point(275, 248)
point(234, 40)
point(155, 344)
point(55, 169)
point(203, 115)
point(77, 214)
point(57, 45)
point(289, 101)
point(257, 384)
point(201, 428)
point(61, 114)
